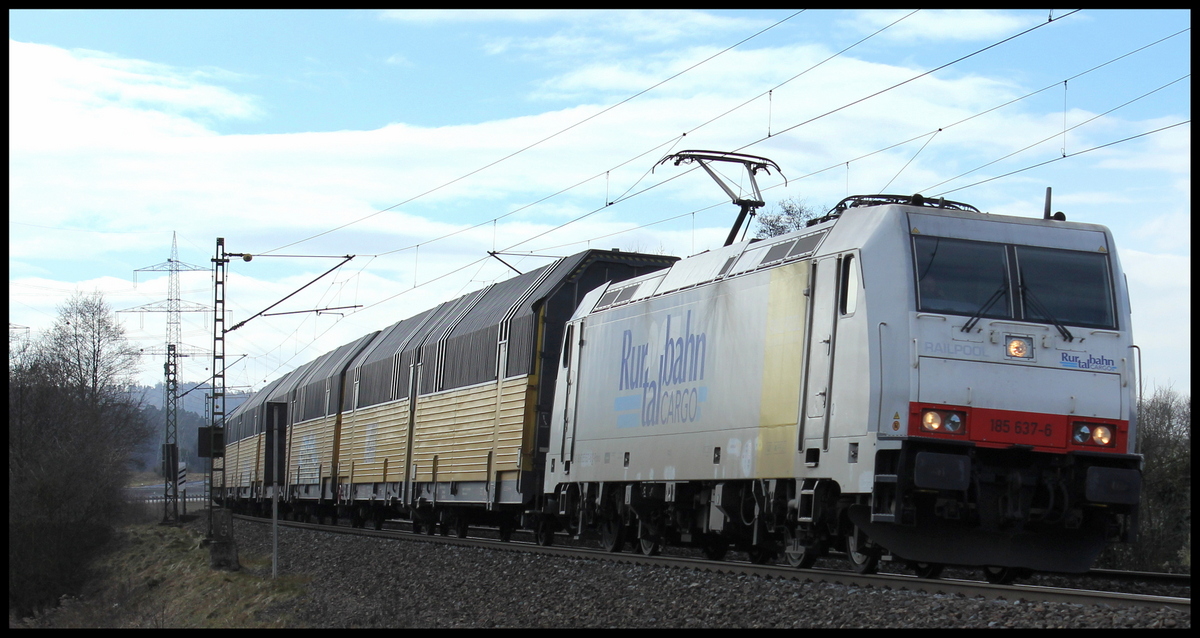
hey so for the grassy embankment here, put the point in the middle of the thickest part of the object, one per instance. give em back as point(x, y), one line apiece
point(159, 576)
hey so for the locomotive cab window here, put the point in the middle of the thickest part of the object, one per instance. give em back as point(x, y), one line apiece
point(1068, 285)
point(962, 277)
point(1025, 283)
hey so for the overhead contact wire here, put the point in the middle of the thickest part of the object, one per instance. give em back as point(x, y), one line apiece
point(550, 137)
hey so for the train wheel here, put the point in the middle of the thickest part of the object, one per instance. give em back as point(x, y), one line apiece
point(612, 534)
point(862, 561)
point(761, 555)
point(460, 526)
point(927, 570)
point(506, 531)
point(797, 553)
point(1000, 575)
point(716, 549)
point(544, 534)
point(649, 546)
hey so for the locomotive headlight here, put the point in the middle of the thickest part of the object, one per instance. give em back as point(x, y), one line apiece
point(1092, 434)
point(931, 421)
point(942, 421)
point(1019, 347)
point(953, 422)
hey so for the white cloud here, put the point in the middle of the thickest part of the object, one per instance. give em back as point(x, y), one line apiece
point(109, 145)
point(1160, 298)
point(84, 98)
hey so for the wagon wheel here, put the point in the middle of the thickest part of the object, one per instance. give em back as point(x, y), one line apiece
point(799, 554)
point(862, 560)
point(506, 531)
point(612, 526)
point(760, 555)
point(612, 534)
point(715, 549)
point(649, 546)
point(1000, 575)
point(544, 534)
point(927, 570)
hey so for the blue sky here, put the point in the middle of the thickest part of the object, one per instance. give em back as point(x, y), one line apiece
point(274, 128)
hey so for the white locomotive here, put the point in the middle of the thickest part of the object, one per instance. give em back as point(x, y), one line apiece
point(903, 377)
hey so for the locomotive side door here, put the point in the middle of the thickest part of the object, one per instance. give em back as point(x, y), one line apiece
point(572, 350)
point(819, 367)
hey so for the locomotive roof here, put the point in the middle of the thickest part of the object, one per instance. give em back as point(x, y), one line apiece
point(747, 256)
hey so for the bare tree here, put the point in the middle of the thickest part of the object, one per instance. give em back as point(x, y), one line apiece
point(90, 346)
point(73, 431)
point(1164, 438)
point(791, 215)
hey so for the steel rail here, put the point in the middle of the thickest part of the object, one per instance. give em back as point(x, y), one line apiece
point(943, 586)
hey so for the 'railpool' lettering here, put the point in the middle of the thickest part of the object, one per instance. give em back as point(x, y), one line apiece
point(953, 349)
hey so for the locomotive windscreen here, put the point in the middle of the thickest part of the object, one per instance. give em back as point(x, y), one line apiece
point(1073, 286)
point(1002, 281)
point(962, 277)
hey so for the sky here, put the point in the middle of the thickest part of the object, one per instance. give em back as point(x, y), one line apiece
point(418, 141)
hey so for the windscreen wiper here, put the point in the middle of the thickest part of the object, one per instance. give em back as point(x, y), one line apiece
point(986, 306)
point(1042, 310)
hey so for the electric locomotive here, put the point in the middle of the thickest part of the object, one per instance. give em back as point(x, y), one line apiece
point(904, 377)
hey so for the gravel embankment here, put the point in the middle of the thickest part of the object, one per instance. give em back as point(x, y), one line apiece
point(361, 582)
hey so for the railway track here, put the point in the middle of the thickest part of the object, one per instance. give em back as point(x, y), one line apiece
point(950, 585)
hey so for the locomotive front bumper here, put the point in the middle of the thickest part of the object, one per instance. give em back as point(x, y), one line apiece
point(953, 543)
point(942, 502)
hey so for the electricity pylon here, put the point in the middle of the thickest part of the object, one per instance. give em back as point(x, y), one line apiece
point(173, 306)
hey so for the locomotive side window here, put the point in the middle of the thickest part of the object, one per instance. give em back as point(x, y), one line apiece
point(849, 283)
point(1072, 286)
point(566, 358)
point(962, 277)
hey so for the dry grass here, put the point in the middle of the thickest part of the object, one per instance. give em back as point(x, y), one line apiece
point(159, 576)
point(139, 479)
